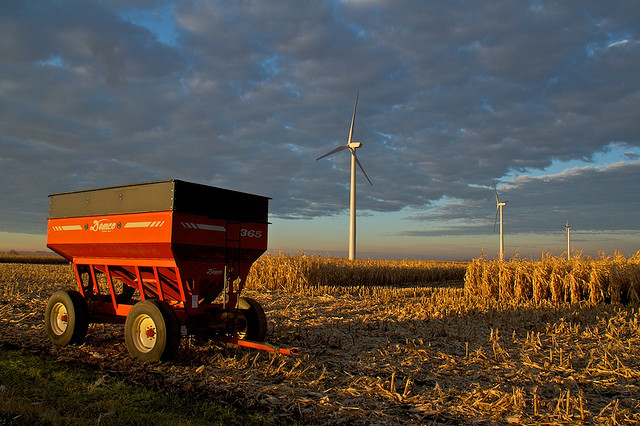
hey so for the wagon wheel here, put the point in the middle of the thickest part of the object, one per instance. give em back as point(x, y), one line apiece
point(152, 331)
point(251, 323)
point(66, 317)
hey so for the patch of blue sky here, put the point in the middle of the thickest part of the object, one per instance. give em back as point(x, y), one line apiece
point(358, 30)
point(294, 148)
point(612, 41)
point(618, 43)
point(486, 105)
point(54, 61)
point(536, 6)
point(160, 21)
point(292, 89)
point(270, 65)
point(613, 153)
point(386, 138)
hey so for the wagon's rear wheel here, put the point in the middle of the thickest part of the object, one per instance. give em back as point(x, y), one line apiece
point(251, 323)
point(66, 317)
point(152, 331)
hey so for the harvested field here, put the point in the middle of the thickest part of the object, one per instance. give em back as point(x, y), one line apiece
point(405, 355)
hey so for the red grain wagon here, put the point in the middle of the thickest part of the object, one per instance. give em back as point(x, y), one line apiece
point(167, 259)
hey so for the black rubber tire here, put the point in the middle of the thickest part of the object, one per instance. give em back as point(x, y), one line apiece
point(152, 331)
point(254, 318)
point(66, 318)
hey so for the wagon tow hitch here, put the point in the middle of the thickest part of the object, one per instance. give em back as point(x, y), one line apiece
point(259, 345)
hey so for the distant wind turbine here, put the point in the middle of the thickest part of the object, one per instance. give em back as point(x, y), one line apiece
point(568, 228)
point(499, 206)
point(351, 146)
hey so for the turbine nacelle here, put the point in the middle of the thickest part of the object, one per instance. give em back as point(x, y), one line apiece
point(351, 146)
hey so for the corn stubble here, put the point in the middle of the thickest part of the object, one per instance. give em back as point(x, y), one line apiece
point(418, 352)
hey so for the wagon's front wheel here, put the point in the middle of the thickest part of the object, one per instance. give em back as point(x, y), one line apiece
point(66, 317)
point(251, 322)
point(152, 331)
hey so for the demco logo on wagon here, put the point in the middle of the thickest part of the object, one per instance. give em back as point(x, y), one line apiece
point(102, 225)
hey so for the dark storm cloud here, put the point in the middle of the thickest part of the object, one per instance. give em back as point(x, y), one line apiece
point(246, 95)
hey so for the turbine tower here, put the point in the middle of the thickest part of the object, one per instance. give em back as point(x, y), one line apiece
point(499, 206)
point(568, 228)
point(351, 146)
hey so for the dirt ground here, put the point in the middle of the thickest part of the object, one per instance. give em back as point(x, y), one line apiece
point(428, 355)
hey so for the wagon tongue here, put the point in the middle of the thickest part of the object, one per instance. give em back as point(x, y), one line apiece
point(259, 345)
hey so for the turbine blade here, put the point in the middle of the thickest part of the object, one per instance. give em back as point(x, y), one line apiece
point(361, 168)
point(495, 220)
point(496, 191)
point(340, 148)
point(353, 118)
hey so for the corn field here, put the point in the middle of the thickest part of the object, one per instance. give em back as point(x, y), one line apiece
point(607, 279)
point(36, 259)
point(299, 272)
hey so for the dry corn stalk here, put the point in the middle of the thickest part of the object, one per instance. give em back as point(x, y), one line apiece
point(300, 273)
point(606, 279)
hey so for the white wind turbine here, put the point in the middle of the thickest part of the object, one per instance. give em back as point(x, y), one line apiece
point(568, 228)
point(351, 146)
point(499, 206)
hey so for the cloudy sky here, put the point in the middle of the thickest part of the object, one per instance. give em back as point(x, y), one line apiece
point(541, 96)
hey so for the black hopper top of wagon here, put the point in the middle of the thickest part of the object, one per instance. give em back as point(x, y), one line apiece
point(176, 195)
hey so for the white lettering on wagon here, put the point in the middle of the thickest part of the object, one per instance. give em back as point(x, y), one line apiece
point(250, 233)
point(154, 224)
point(67, 228)
point(101, 225)
point(203, 226)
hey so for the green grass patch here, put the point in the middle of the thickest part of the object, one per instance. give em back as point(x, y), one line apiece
point(36, 391)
